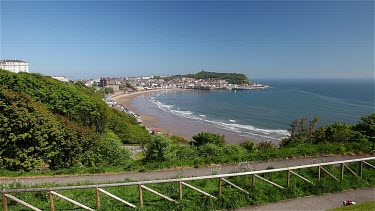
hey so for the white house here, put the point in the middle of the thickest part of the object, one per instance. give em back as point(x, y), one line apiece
point(14, 66)
point(61, 78)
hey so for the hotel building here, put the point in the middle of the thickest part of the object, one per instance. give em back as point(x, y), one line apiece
point(14, 66)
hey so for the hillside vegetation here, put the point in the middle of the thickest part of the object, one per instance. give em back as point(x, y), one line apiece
point(48, 124)
point(45, 123)
point(232, 78)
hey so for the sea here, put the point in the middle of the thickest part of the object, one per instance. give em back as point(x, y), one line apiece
point(260, 114)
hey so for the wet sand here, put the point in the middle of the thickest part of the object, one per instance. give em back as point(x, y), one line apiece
point(150, 121)
point(172, 124)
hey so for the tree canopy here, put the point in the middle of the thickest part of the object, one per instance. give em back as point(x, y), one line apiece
point(232, 78)
point(46, 123)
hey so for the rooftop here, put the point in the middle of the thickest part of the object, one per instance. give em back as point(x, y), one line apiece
point(11, 60)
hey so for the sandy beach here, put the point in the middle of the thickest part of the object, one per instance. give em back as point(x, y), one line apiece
point(172, 124)
point(150, 121)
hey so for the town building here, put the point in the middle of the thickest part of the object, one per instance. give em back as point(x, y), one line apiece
point(107, 82)
point(14, 66)
point(61, 78)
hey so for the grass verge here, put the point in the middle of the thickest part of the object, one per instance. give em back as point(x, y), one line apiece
point(230, 198)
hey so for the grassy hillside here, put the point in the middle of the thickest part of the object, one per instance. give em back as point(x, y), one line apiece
point(45, 123)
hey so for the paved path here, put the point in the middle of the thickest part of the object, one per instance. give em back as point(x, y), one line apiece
point(180, 172)
point(324, 202)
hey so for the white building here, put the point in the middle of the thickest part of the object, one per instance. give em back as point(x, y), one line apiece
point(14, 66)
point(61, 78)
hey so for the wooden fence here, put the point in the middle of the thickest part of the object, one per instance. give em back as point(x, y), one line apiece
point(182, 182)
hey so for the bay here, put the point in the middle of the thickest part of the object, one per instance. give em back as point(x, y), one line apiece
point(262, 114)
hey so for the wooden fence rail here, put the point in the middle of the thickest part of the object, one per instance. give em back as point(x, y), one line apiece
point(183, 182)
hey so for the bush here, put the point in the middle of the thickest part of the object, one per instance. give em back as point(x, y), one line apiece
point(263, 145)
point(249, 146)
point(160, 149)
point(210, 151)
point(185, 152)
point(234, 150)
point(366, 126)
point(208, 138)
point(110, 152)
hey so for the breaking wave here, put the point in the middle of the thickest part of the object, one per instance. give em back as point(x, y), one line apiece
point(231, 125)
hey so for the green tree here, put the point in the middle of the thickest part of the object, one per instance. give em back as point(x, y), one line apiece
point(249, 146)
point(301, 131)
point(343, 133)
point(264, 145)
point(366, 126)
point(108, 90)
point(210, 150)
point(208, 138)
point(28, 132)
point(160, 149)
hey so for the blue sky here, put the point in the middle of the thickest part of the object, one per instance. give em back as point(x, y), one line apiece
point(263, 39)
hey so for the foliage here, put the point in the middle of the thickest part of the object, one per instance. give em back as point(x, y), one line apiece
point(159, 149)
point(249, 146)
point(28, 132)
point(127, 85)
point(210, 150)
point(110, 152)
point(230, 199)
point(234, 150)
point(185, 151)
point(127, 128)
point(343, 133)
point(108, 90)
point(208, 138)
point(177, 139)
point(60, 98)
point(33, 138)
point(46, 123)
point(302, 132)
point(232, 78)
point(366, 126)
point(264, 145)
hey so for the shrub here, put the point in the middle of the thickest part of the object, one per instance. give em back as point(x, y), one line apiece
point(185, 152)
point(160, 149)
point(210, 151)
point(366, 126)
point(208, 138)
point(249, 146)
point(263, 145)
point(234, 150)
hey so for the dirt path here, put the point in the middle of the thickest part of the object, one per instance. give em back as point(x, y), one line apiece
point(179, 172)
point(324, 202)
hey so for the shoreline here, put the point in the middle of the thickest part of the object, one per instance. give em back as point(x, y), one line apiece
point(174, 125)
point(149, 121)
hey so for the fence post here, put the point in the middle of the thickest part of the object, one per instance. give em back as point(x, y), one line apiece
point(288, 179)
point(140, 195)
point(51, 204)
point(5, 205)
point(253, 182)
point(342, 171)
point(180, 190)
point(220, 183)
point(319, 173)
point(97, 198)
point(360, 169)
